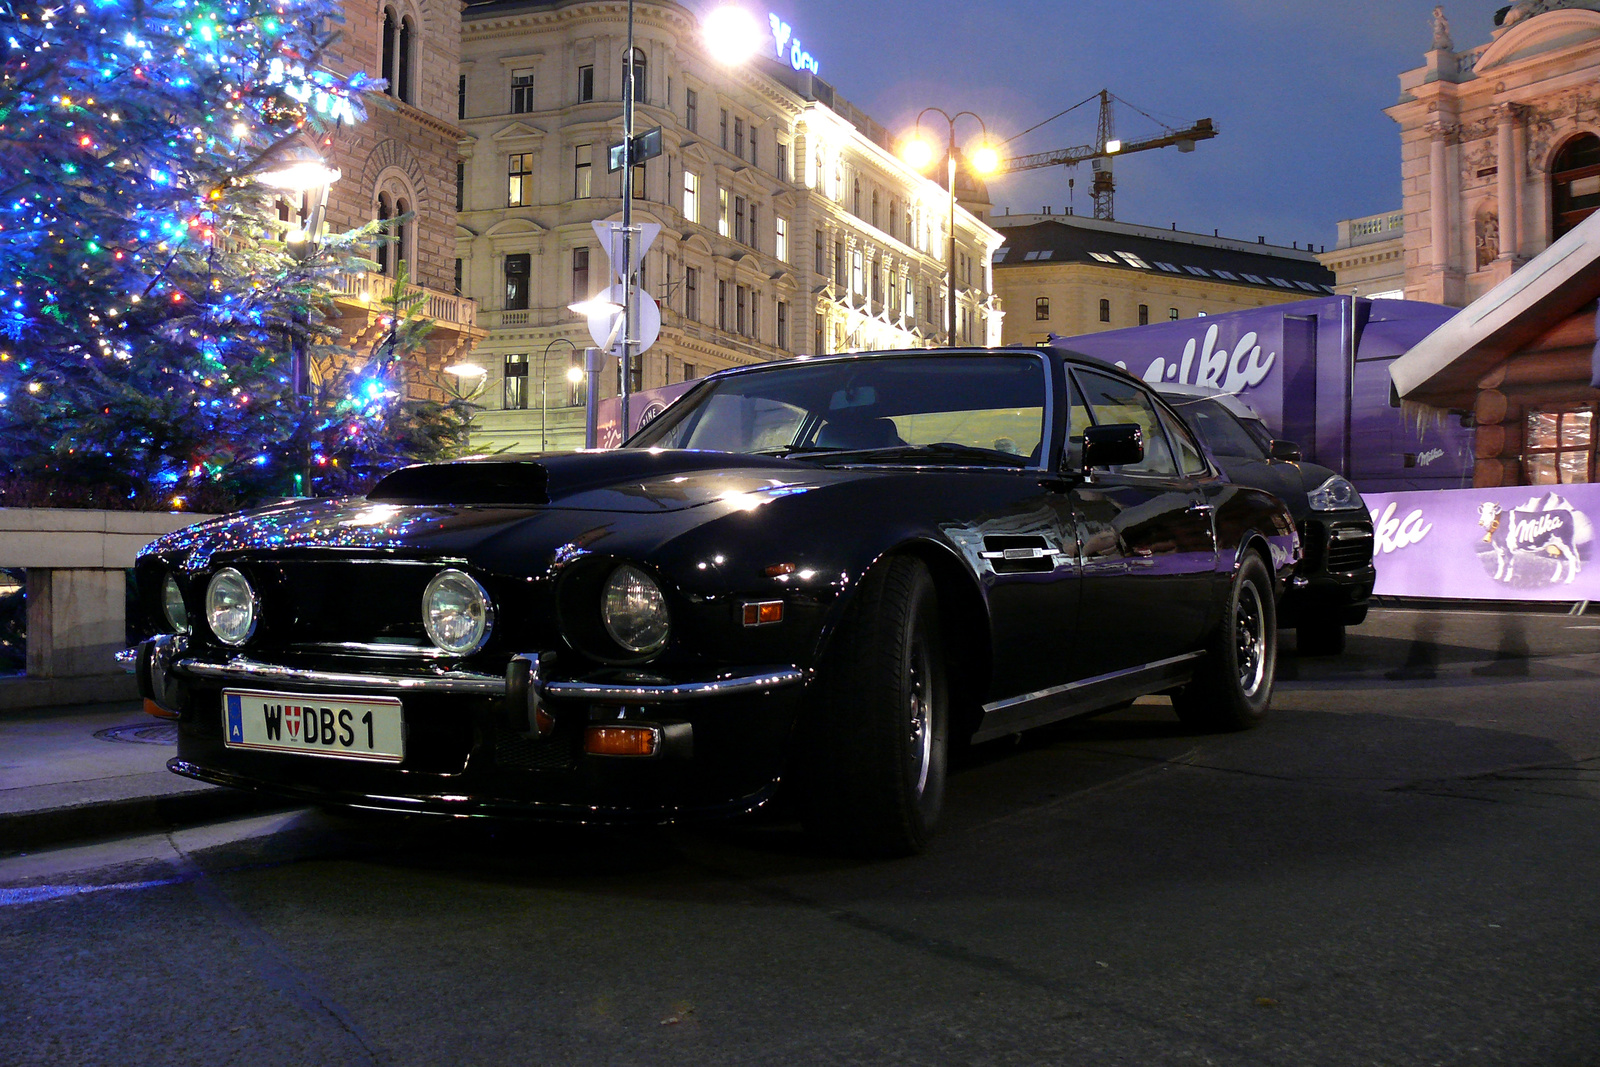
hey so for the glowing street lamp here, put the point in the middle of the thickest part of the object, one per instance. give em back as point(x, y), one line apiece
point(732, 35)
point(918, 151)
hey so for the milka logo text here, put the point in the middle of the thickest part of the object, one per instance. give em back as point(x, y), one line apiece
point(1390, 534)
point(1233, 372)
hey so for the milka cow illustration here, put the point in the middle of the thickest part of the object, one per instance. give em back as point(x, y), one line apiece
point(1534, 529)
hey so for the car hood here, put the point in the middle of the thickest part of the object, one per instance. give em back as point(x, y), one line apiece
point(450, 508)
point(1289, 482)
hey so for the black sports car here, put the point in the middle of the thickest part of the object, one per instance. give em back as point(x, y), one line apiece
point(1333, 583)
point(819, 573)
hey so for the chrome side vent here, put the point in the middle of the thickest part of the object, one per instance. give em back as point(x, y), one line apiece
point(1021, 553)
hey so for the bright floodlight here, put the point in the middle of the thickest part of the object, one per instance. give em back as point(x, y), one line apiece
point(574, 375)
point(918, 152)
point(985, 160)
point(466, 370)
point(598, 305)
point(1113, 146)
point(299, 175)
point(732, 35)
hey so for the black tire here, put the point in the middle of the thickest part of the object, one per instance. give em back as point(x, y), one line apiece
point(877, 732)
point(1232, 687)
point(1319, 637)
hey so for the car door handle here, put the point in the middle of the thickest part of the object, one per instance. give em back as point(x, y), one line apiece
point(1200, 509)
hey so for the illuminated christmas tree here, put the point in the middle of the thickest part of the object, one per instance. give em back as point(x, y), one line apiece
point(153, 310)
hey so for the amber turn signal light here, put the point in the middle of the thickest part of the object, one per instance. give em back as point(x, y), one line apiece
point(621, 740)
point(763, 613)
point(152, 708)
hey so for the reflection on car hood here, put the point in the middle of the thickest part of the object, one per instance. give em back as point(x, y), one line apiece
point(636, 482)
point(1289, 482)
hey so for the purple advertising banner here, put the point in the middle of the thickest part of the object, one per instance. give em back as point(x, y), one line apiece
point(642, 407)
point(1527, 542)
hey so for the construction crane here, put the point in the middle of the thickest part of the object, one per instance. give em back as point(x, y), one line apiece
point(1105, 148)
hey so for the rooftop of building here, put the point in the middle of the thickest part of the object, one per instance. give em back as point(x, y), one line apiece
point(1053, 239)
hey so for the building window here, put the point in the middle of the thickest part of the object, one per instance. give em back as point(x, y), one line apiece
point(755, 227)
point(641, 80)
point(691, 293)
point(582, 172)
point(1041, 309)
point(1575, 183)
point(461, 184)
point(458, 278)
point(927, 302)
point(819, 340)
point(755, 316)
point(690, 372)
point(640, 189)
point(722, 212)
point(894, 219)
point(461, 96)
point(585, 83)
point(722, 304)
point(1144, 314)
point(517, 281)
point(691, 110)
point(755, 157)
point(780, 245)
point(1172, 313)
point(580, 274)
point(521, 92)
point(1105, 311)
point(782, 164)
point(856, 199)
point(839, 266)
point(724, 128)
point(1559, 446)
point(519, 170)
point(738, 137)
point(691, 196)
point(876, 273)
point(783, 324)
point(577, 384)
point(739, 293)
point(516, 381)
point(398, 42)
point(385, 250)
point(874, 207)
point(821, 265)
point(738, 219)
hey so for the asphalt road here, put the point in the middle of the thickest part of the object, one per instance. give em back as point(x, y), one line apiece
point(1400, 867)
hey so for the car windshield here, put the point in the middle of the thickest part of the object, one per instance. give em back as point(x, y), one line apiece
point(954, 409)
point(1222, 432)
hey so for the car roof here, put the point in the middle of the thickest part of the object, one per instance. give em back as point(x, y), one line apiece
point(1045, 351)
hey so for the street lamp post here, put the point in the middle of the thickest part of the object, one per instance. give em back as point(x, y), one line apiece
point(920, 154)
point(544, 386)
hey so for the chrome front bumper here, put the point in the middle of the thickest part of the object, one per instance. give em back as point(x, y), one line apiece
point(160, 662)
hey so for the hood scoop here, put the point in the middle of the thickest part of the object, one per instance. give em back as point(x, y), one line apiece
point(521, 483)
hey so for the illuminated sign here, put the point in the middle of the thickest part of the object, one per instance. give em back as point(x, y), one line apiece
point(305, 88)
point(789, 46)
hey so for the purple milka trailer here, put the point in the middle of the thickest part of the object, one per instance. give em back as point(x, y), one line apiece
point(1318, 372)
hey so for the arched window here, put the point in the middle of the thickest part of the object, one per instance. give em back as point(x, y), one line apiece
point(401, 255)
point(875, 207)
point(399, 45)
point(1574, 183)
point(384, 253)
point(856, 204)
point(641, 77)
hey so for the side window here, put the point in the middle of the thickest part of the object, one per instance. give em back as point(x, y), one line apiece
point(1112, 401)
point(1077, 422)
point(1190, 459)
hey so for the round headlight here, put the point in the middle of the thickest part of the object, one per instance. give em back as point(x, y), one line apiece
point(634, 611)
point(172, 604)
point(231, 607)
point(1335, 494)
point(456, 612)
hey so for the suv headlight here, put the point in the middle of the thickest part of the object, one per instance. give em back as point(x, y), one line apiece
point(634, 611)
point(1335, 494)
point(231, 607)
point(172, 605)
point(456, 612)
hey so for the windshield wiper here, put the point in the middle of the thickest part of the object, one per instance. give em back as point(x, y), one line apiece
point(939, 450)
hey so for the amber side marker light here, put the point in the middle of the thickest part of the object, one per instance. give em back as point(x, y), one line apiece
point(152, 708)
point(621, 740)
point(763, 613)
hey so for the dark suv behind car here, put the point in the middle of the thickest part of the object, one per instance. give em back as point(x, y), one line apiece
point(1333, 583)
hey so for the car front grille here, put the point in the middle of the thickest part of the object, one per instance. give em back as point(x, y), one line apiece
point(519, 752)
point(1349, 549)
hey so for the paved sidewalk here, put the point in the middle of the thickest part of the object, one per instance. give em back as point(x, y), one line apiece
point(97, 770)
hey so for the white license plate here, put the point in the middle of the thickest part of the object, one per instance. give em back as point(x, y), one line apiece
point(366, 728)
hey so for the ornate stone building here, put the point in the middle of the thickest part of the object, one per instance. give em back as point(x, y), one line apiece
point(788, 226)
point(1500, 146)
point(400, 162)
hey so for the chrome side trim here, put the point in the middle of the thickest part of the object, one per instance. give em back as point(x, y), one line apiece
point(244, 669)
point(1045, 694)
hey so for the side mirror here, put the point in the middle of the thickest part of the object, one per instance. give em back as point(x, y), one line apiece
point(1286, 450)
point(1112, 446)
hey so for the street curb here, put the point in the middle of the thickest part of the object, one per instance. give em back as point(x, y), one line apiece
point(30, 831)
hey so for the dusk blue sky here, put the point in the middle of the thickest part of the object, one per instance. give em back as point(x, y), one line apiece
point(1297, 89)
